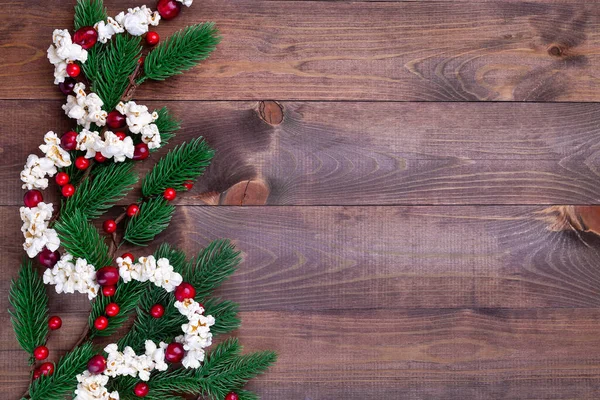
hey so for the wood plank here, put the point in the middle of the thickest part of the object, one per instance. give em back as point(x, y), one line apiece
point(449, 354)
point(349, 153)
point(425, 51)
point(317, 258)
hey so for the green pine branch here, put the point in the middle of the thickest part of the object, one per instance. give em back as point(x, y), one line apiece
point(88, 12)
point(63, 381)
point(127, 297)
point(225, 313)
point(108, 184)
point(180, 52)
point(29, 314)
point(82, 239)
point(213, 265)
point(117, 63)
point(154, 217)
point(184, 163)
point(167, 126)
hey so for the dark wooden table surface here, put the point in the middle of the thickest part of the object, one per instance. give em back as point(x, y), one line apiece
point(404, 166)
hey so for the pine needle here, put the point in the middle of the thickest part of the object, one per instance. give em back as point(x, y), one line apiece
point(81, 239)
point(180, 52)
point(182, 164)
point(154, 217)
point(29, 314)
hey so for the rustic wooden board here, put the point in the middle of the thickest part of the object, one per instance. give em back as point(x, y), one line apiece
point(334, 153)
point(424, 51)
point(444, 354)
point(421, 302)
point(316, 258)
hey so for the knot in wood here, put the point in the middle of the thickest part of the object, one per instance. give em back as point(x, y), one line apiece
point(555, 50)
point(271, 112)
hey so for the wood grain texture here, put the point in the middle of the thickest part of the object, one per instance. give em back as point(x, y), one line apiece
point(317, 258)
point(407, 302)
point(349, 153)
point(425, 51)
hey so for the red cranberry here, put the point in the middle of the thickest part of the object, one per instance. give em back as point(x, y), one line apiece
point(40, 353)
point(97, 364)
point(168, 9)
point(141, 389)
point(99, 157)
point(68, 141)
point(32, 198)
point(125, 255)
point(232, 396)
point(86, 37)
point(141, 152)
point(54, 323)
point(68, 190)
point(48, 258)
point(188, 185)
point(47, 368)
point(67, 87)
point(115, 120)
point(170, 194)
point(112, 309)
point(109, 290)
point(37, 373)
point(185, 291)
point(132, 210)
point(157, 310)
point(73, 70)
point(121, 135)
point(109, 226)
point(82, 163)
point(62, 179)
point(152, 38)
point(101, 323)
point(107, 276)
point(174, 352)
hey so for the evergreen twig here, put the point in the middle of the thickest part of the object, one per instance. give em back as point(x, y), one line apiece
point(154, 217)
point(99, 192)
point(29, 314)
point(167, 126)
point(82, 239)
point(88, 12)
point(62, 382)
point(184, 163)
point(180, 52)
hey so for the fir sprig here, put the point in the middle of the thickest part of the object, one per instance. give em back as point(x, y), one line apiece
point(167, 126)
point(81, 239)
point(63, 381)
point(100, 191)
point(182, 164)
point(180, 52)
point(117, 63)
point(211, 267)
point(88, 12)
point(154, 217)
point(225, 313)
point(127, 297)
point(29, 314)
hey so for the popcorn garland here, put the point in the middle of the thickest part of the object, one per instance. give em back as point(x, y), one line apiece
point(70, 275)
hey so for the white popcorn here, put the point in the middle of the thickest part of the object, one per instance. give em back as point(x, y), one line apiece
point(137, 20)
point(70, 278)
point(186, 3)
point(151, 136)
point(93, 387)
point(106, 30)
point(114, 147)
point(35, 171)
point(189, 307)
point(165, 277)
point(128, 270)
point(157, 354)
point(35, 229)
point(54, 152)
point(147, 266)
point(137, 115)
point(89, 142)
point(85, 108)
point(62, 52)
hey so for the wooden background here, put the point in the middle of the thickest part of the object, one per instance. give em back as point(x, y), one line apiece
point(403, 164)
